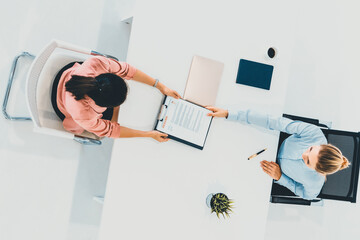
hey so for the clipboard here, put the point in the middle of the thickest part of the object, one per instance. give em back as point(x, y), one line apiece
point(184, 121)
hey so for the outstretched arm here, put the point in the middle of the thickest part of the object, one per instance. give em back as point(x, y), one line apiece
point(146, 79)
point(282, 124)
point(106, 128)
point(125, 70)
point(130, 133)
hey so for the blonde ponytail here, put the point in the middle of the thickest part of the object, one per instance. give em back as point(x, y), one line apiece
point(330, 160)
point(345, 163)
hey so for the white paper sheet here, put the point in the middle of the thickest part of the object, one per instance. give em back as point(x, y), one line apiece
point(184, 120)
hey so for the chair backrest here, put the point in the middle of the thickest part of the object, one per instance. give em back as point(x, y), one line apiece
point(342, 185)
point(39, 85)
point(338, 186)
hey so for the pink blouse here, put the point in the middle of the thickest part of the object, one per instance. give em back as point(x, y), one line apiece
point(85, 114)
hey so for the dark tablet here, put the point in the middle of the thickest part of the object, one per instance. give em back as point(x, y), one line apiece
point(254, 74)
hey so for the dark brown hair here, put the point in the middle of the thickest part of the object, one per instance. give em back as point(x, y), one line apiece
point(107, 90)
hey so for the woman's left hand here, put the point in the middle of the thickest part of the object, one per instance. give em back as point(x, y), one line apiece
point(169, 92)
point(272, 169)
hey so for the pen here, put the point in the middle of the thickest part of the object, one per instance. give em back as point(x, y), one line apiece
point(254, 155)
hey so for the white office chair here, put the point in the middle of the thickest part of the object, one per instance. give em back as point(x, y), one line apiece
point(39, 83)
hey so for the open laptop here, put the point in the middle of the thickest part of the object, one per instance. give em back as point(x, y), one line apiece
point(203, 81)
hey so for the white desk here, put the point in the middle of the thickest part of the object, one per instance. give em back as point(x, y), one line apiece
point(158, 191)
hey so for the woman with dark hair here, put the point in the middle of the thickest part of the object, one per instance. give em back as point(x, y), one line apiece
point(87, 96)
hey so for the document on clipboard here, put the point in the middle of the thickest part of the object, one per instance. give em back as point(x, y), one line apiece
point(184, 121)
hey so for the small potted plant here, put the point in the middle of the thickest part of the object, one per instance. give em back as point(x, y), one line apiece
point(220, 204)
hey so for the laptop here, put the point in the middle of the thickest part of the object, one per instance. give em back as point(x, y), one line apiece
point(203, 81)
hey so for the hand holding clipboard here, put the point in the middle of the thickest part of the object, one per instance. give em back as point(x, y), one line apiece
point(184, 121)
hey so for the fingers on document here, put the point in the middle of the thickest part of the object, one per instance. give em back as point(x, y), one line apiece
point(177, 95)
point(213, 114)
point(163, 135)
point(210, 108)
point(163, 139)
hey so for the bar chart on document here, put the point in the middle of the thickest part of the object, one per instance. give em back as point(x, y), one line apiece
point(184, 120)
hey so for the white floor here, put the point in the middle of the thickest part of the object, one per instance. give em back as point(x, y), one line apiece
point(48, 183)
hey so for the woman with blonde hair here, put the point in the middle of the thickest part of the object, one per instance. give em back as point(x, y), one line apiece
point(305, 157)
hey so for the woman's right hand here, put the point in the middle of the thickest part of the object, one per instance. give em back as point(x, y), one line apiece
point(217, 112)
point(159, 136)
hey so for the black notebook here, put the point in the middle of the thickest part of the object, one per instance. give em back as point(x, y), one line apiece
point(254, 74)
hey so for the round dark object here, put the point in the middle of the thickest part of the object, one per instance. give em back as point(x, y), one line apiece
point(271, 52)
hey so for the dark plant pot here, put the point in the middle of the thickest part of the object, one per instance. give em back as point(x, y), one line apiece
point(213, 198)
point(220, 204)
point(210, 199)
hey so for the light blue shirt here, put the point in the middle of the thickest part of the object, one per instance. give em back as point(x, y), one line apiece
point(296, 176)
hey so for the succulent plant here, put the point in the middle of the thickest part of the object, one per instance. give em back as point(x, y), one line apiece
point(221, 204)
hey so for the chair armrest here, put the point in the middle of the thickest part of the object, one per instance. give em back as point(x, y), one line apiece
point(86, 141)
point(9, 85)
point(293, 200)
point(95, 53)
point(324, 124)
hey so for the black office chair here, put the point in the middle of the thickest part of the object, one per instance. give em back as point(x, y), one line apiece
point(338, 186)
